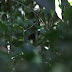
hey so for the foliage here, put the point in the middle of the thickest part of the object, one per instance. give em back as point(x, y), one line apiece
point(37, 38)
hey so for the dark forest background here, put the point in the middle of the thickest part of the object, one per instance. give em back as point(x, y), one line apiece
point(35, 37)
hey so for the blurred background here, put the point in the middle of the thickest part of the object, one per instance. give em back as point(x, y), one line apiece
point(36, 35)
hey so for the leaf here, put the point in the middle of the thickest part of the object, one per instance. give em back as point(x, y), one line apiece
point(68, 14)
point(3, 25)
point(70, 1)
point(58, 10)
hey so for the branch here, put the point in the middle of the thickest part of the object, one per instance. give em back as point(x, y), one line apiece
point(30, 10)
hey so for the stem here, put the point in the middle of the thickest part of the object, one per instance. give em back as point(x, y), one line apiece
point(11, 15)
point(31, 11)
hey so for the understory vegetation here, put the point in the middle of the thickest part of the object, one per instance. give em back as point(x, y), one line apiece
point(35, 38)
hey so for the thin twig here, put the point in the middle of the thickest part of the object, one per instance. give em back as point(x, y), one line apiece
point(28, 28)
point(31, 10)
